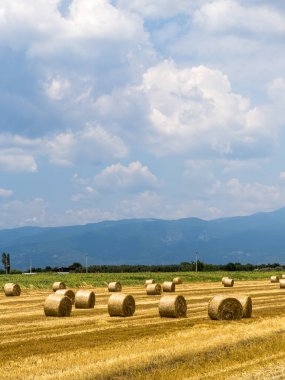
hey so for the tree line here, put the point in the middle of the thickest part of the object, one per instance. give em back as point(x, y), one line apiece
point(182, 267)
point(185, 266)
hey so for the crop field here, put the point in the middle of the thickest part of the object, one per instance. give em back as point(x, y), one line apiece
point(92, 345)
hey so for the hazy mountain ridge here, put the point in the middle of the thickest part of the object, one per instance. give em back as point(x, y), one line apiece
point(257, 238)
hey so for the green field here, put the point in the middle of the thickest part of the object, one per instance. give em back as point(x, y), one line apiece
point(45, 280)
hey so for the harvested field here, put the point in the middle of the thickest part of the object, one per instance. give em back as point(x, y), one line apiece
point(92, 345)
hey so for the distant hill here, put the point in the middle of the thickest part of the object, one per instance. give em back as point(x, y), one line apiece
point(258, 238)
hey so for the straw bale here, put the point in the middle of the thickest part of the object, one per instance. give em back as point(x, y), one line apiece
point(57, 305)
point(282, 284)
point(177, 280)
point(172, 306)
point(11, 289)
point(283, 276)
point(246, 303)
point(153, 289)
point(148, 282)
point(121, 305)
point(114, 287)
point(84, 299)
point(58, 285)
point(168, 286)
point(224, 279)
point(228, 283)
point(68, 293)
point(222, 307)
point(274, 279)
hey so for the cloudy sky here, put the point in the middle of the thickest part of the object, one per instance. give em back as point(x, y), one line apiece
point(114, 109)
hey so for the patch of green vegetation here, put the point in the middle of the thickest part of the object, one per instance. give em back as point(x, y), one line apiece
point(73, 280)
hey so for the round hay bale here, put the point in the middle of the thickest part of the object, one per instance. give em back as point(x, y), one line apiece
point(224, 308)
point(274, 279)
point(11, 289)
point(228, 283)
point(224, 279)
point(148, 282)
point(58, 285)
point(153, 289)
point(282, 284)
point(84, 299)
point(172, 306)
point(177, 280)
point(114, 287)
point(121, 305)
point(168, 286)
point(246, 303)
point(68, 293)
point(283, 276)
point(57, 305)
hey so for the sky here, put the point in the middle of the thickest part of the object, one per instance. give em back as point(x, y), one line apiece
point(115, 109)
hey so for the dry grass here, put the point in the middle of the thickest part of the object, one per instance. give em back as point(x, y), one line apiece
point(144, 346)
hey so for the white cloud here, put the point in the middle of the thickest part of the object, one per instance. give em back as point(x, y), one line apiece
point(91, 145)
point(194, 111)
point(15, 160)
point(133, 177)
point(57, 88)
point(5, 192)
point(255, 196)
point(146, 204)
point(156, 9)
point(82, 216)
point(229, 15)
point(42, 27)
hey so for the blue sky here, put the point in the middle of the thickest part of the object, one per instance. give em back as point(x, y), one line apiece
point(129, 109)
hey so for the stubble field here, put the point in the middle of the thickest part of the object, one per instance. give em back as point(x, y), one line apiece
point(92, 345)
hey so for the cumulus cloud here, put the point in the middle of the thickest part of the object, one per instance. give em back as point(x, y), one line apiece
point(91, 145)
point(195, 110)
point(226, 15)
point(133, 177)
point(44, 27)
point(156, 9)
point(14, 160)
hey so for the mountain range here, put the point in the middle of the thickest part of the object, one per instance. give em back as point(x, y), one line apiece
point(258, 238)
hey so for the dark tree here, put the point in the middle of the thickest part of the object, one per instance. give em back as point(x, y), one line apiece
point(6, 262)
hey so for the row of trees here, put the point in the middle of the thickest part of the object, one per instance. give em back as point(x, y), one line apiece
point(182, 267)
point(186, 266)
